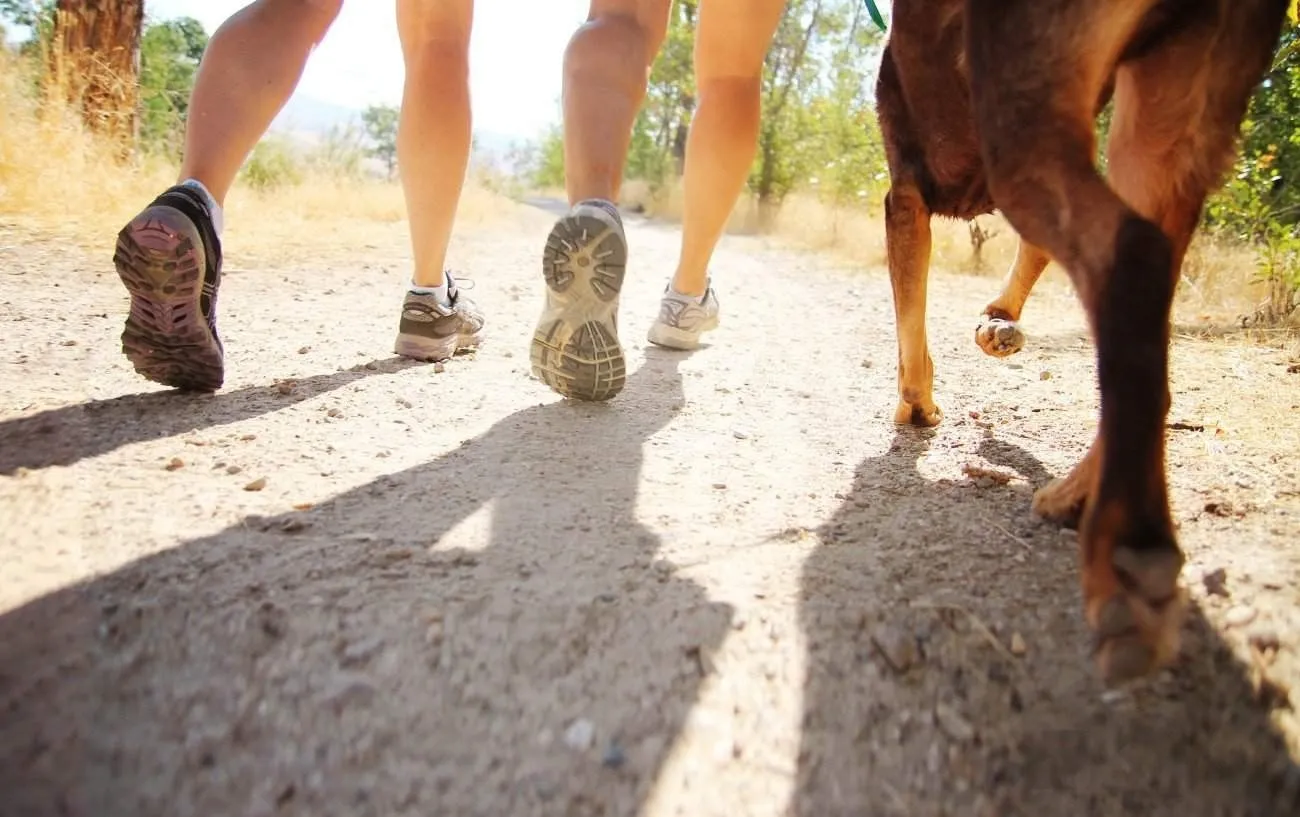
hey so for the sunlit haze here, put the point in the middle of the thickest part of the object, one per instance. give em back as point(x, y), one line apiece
point(515, 57)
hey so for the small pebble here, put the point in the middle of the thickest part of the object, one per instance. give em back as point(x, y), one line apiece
point(898, 646)
point(1216, 582)
point(720, 486)
point(1114, 696)
point(175, 464)
point(614, 757)
point(1044, 375)
point(304, 350)
point(439, 367)
point(69, 342)
point(349, 691)
point(953, 724)
point(740, 435)
point(1240, 616)
point(233, 469)
point(292, 525)
point(580, 735)
point(334, 413)
point(248, 438)
point(361, 651)
point(256, 485)
point(1018, 645)
point(434, 632)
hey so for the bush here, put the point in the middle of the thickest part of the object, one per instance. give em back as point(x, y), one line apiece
point(272, 165)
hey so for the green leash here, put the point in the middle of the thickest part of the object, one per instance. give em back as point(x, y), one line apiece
point(875, 14)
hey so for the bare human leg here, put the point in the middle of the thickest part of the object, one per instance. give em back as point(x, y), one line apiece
point(169, 256)
point(433, 145)
point(731, 41)
point(575, 348)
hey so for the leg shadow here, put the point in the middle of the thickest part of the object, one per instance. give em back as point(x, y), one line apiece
point(66, 435)
point(484, 634)
point(948, 671)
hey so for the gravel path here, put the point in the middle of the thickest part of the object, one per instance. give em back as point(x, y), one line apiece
point(351, 585)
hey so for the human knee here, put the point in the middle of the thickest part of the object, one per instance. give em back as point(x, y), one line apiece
point(446, 55)
point(437, 30)
point(641, 24)
point(733, 38)
point(314, 10)
point(310, 16)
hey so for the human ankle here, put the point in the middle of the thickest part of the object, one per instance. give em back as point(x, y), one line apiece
point(215, 210)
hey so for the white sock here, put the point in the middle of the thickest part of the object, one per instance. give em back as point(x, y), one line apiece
point(218, 219)
point(682, 296)
point(439, 292)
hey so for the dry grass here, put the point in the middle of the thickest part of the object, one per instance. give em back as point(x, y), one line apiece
point(49, 164)
point(58, 179)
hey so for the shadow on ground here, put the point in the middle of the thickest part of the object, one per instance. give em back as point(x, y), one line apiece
point(901, 633)
point(63, 436)
point(532, 661)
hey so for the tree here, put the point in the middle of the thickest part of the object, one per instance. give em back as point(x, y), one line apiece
point(35, 15)
point(95, 62)
point(818, 127)
point(658, 148)
point(170, 51)
point(381, 126)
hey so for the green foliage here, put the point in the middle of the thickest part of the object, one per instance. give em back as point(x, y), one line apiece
point(381, 126)
point(822, 120)
point(658, 147)
point(340, 153)
point(1260, 203)
point(543, 162)
point(818, 128)
point(169, 61)
point(273, 165)
point(37, 16)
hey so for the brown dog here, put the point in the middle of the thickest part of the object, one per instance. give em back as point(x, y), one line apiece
point(993, 103)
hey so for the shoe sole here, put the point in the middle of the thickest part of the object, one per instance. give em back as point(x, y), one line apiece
point(575, 349)
point(166, 337)
point(671, 337)
point(435, 351)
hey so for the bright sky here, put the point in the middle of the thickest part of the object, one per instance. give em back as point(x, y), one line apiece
point(515, 56)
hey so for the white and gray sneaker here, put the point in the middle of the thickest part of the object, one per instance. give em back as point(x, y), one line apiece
point(434, 331)
point(683, 318)
point(575, 348)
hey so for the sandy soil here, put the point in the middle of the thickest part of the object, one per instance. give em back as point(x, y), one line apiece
point(351, 585)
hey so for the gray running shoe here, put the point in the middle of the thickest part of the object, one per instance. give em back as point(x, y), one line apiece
point(431, 331)
point(682, 319)
point(575, 347)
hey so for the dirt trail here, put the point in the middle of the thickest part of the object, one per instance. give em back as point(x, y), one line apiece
point(736, 589)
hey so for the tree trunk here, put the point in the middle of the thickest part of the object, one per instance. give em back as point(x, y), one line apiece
point(95, 56)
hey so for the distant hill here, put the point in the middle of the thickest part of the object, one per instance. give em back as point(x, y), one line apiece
point(306, 115)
